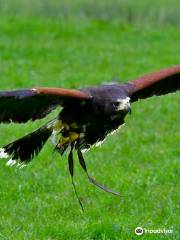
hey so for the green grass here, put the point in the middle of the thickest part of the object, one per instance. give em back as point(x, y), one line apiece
point(46, 48)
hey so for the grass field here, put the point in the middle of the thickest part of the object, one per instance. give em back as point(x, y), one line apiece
point(76, 44)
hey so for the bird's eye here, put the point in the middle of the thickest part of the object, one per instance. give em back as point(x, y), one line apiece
point(115, 104)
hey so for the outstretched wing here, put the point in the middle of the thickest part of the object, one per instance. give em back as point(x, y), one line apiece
point(32, 104)
point(158, 83)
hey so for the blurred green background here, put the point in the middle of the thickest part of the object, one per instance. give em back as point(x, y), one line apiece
point(76, 44)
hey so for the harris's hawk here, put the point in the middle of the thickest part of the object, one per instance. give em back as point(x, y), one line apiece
point(88, 115)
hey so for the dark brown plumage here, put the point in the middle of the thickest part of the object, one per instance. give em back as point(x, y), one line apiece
point(88, 115)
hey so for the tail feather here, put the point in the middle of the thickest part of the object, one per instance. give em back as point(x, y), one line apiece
point(27, 147)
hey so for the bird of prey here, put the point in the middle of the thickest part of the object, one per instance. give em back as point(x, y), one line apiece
point(88, 115)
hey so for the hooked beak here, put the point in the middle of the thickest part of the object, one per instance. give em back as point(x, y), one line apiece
point(129, 110)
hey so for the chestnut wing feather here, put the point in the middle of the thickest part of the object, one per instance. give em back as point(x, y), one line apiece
point(32, 104)
point(158, 83)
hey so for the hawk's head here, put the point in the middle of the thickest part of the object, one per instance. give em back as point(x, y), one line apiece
point(122, 104)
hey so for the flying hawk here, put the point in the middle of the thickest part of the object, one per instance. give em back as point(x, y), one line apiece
point(88, 115)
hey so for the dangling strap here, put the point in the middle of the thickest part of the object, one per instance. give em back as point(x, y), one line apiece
point(71, 170)
point(92, 180)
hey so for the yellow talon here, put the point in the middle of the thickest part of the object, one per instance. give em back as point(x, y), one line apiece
point(64, 140)
point(58, 125)
point(73, 136)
